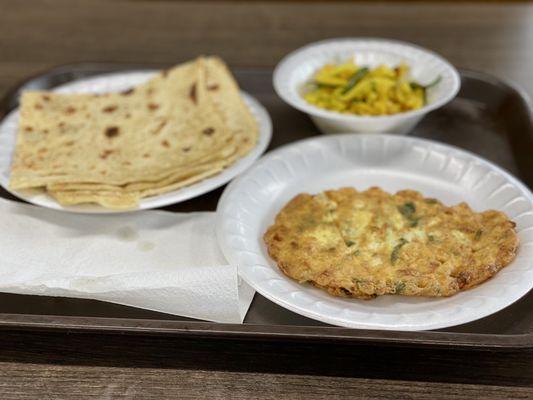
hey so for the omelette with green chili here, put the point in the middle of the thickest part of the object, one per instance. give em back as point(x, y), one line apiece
point(371, 243)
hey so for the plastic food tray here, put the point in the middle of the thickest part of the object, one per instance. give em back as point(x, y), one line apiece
point(488, 117)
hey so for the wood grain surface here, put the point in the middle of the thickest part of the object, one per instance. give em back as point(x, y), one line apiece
point(35, 35)
point(81, 364)
point(153, 383)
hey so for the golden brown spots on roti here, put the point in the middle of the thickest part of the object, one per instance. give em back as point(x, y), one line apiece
point(69, 143)
point(38, 106)
point(213, 87)
point(45, 97)
point(28, 129)
point(42, 150)
point(106, 153)
point(165, 143)
point(103, 172)
point(153, 106)
point(159, 127)
point(208, 131)
point(128, 115)
point(109, 109)
point(61, 125)
point(70, 110)
point(127, 92)
point(192, 93)
point(146, 155)
point(46, 131)
point(186, 149)
point(126, 163)
point(112, 131)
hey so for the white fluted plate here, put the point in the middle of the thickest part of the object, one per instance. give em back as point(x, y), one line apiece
point(116, 82)
point(249, 205)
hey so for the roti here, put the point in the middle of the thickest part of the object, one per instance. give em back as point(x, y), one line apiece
point(176, 129)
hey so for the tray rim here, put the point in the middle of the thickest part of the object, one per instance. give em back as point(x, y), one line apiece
point(326, 334)
point(316, 334)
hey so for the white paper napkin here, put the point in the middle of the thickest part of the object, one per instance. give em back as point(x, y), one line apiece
point(155, 260)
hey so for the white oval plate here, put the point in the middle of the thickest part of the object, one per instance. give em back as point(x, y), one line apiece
point(113, 83)
point(250, 204)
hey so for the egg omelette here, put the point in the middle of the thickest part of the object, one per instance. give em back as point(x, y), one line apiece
point(371, 243)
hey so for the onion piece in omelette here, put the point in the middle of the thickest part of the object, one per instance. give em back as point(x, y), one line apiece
point(371, 243)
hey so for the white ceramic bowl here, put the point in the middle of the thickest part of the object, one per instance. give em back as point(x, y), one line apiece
point(297, 68)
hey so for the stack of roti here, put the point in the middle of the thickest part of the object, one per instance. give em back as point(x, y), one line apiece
point(184, 125)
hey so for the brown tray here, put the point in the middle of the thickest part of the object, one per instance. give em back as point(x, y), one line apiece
point(488, 117)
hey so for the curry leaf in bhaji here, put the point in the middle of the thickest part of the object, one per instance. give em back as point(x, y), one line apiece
point(361, 72)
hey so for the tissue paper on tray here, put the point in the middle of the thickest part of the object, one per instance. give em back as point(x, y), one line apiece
point(155, 260)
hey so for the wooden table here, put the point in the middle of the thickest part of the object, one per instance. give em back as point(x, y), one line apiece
point(35, 35)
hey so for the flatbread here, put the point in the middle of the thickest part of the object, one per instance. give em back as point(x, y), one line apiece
point(224, 92)
point(180, 127)
point(117, 197)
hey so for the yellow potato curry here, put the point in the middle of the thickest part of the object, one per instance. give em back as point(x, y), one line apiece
point(353, 89)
